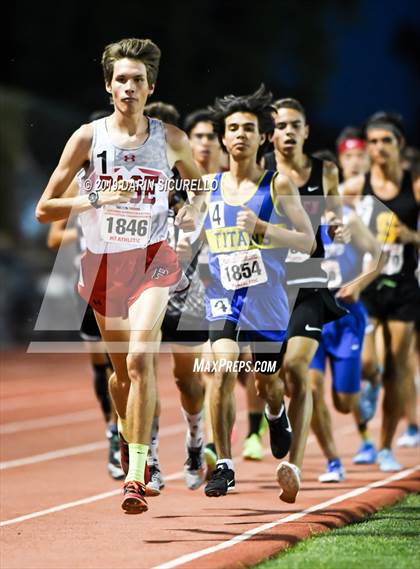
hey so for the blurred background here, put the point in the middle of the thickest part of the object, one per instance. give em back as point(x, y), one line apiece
point(343, 60)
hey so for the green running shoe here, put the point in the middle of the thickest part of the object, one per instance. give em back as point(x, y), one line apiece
point(253, 449)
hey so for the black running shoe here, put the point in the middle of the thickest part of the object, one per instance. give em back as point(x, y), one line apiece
point(280, 434)
point(195, 467)
point(222, 480)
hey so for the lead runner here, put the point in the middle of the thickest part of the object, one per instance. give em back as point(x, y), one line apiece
point(128, 266)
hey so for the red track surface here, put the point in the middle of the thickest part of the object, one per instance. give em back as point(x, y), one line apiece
point(59, 508)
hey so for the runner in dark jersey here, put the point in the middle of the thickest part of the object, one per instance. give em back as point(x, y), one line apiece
point(393, 299)
point(311, 302)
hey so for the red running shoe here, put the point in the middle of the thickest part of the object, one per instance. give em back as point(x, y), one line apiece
point(134, 501)
point(125, 458)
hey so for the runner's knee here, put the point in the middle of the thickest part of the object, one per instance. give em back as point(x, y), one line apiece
point(344, 402)
point(138, 364)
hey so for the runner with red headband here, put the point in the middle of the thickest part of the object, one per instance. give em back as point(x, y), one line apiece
point(352, 153)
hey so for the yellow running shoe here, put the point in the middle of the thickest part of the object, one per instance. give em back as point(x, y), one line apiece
point(263, 426)
point(253, 449)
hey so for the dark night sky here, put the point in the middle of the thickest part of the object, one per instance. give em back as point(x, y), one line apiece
point(372, 71)
point(343, 60)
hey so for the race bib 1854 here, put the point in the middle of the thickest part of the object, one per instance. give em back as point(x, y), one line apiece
point(242, 269)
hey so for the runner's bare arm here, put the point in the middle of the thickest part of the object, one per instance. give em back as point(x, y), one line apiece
point(54, 204)
point(287, 200)
point(404, 233)
point(333, 206)
point(179, 154)
point(330, 185)
point(59, 234)
point(365, 242)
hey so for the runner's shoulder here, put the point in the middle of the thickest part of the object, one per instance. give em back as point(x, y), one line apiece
point(83, 136)
point(175, 137)
point(329, 167)
point(283, 185)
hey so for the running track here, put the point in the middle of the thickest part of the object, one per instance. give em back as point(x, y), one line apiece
point(59, 508)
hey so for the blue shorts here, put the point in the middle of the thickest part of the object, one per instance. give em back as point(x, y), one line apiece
point(342, 343)
point(261, 309)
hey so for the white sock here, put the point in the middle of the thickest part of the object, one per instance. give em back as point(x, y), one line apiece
point(271, 417)
point(153, 456)
point(195, 429)
point(227, 461)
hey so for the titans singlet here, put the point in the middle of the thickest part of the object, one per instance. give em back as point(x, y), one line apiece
point(141, 222)
point(247, 273)
point(344, 262)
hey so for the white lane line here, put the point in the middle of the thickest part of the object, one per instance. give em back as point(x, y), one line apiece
point(52, 421)
point(293, 517)
point(64, 419)
point(90, 447)
point(71, 451)
point(27, 401)
point(76, 503)
point(82, 449)
point(166, 431)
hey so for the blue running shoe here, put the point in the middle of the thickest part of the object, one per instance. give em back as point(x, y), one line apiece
point(366, 454)
point(335, 472)
point(387, 462)
point(409, 439)
point(368, 400)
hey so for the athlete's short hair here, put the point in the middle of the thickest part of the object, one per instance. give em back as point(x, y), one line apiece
point(162, 111)
point(289, 103)
point(201, 115)
point(388, 121)
point(349, 132)
point(258, 103)
point(132, 48)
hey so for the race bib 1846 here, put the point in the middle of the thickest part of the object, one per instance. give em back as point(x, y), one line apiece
point(130, 225)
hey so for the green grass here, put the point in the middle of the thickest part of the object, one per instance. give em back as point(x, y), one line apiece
point(390, 539)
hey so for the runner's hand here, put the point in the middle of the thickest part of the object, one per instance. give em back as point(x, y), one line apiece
point(338, 232)
point(349, 293)
point(123, 193)
point(186, 217)
point(247, 220)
